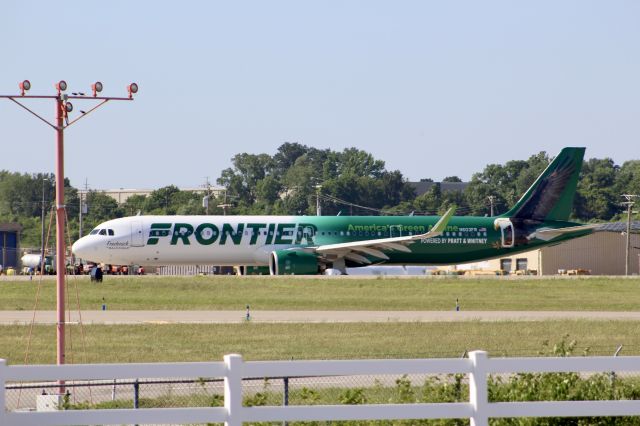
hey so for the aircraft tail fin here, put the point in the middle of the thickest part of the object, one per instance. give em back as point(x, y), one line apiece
point(551, 195)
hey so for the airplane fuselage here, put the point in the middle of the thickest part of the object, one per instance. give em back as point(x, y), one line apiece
point(249, 240)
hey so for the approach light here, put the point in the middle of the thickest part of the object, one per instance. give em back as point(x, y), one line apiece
point(24, 86)
point(61, 86)
point(132, 88)
point(97, 88)
point(68, 106)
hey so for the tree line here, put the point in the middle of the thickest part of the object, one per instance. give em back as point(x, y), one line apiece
point(347, 182)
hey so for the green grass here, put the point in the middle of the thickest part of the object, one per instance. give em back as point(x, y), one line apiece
point(209, 342)
point(293, 293)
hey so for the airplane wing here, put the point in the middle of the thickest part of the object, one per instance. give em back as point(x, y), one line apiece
point(547, 234)
point(356, 250)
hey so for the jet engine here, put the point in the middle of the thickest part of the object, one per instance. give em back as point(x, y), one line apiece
point(293, 262)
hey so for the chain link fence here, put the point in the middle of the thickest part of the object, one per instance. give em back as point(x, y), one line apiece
point(329, 390)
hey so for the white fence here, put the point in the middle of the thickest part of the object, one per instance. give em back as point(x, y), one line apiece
point(478, 366)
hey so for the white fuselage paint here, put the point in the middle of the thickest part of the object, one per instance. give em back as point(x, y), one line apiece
point(130, 245)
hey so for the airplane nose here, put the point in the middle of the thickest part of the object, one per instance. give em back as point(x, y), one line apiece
point(81, 248)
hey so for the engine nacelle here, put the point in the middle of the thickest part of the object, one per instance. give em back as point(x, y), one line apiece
point(293, 262)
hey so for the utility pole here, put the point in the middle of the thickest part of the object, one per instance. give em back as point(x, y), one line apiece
point(491, 198)
point(44, 179)
point(318, 206)
point(83, 206)
point(224, 205)
point(629, 205)
point(206, 198)
point(63, 107)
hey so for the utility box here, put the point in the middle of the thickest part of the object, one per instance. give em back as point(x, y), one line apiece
point(49, 402)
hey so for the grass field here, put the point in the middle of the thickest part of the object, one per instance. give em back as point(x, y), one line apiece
point(151, 343)
point(291, 293)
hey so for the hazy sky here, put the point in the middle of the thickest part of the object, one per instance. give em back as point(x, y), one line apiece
point(433, 88)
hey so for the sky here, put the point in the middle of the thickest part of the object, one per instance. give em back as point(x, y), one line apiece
point(433, 88)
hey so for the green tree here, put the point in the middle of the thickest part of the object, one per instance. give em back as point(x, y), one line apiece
point(597, 196)
point(506, 183)
point(628, 179)
point(160, 200)
point(134, 204)
point(101, 207)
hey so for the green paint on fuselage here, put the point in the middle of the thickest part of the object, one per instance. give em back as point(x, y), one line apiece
point(465, 239)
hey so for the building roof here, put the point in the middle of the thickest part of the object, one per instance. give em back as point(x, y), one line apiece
point(10, 227)
point(619, 227)
point(422, 187)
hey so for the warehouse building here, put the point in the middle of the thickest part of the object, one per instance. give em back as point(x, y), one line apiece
point(9, 245)
point(601, 253)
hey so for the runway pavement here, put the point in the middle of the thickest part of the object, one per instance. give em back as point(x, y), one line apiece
point(231, 317)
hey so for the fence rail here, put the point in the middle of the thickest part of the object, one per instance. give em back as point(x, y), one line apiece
point(234, 370)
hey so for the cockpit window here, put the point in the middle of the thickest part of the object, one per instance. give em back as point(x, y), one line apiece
point(94, 232)
point(111, 232)
point(102, 232)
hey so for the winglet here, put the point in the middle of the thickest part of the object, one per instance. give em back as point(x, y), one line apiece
point(441, 225)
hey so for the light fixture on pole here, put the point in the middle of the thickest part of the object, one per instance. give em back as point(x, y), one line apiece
point(132, 89)
point(24, 86)
point(61, 86)
point(63, 109)
point(96, 88)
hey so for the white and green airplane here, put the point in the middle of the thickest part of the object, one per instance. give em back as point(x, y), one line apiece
point(307, 245)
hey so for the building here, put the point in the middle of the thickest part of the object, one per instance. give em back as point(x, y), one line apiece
point(121, 195)
point(9, 245)
point(423, 187)
point(601, 253)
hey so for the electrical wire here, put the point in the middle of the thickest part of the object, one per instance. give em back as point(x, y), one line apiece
point(35, 306)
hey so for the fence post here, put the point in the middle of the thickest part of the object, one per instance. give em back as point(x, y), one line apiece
point(136, 394)
point(233, 390)
point(478, 392)
point(3, 391)
point(285, 396)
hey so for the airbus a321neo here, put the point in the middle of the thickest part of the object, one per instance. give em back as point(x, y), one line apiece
point(311, 244)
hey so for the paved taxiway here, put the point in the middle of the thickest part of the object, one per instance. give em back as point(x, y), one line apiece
point(230, 317)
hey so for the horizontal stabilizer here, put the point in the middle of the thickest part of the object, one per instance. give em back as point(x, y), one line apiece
point(548, 234)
